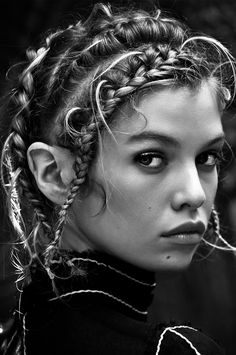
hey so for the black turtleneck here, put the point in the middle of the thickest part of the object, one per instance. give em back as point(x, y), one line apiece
point(100, 275)
point(96, 275)
point(97, 304)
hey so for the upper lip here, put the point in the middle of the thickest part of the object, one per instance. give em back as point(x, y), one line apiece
point(186, 228)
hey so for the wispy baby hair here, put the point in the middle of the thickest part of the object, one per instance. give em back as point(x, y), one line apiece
point(70, 88)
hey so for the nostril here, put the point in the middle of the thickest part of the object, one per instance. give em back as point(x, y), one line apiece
point(189, 195)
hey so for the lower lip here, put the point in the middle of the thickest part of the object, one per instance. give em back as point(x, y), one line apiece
point(185, 239)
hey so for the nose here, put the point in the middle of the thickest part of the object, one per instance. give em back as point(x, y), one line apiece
point(189, 192)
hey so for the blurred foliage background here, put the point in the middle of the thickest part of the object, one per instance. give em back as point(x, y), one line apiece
point(204, 295)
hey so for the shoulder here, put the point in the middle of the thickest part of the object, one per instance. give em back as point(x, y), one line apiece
point(91, 328)
point(185, 340)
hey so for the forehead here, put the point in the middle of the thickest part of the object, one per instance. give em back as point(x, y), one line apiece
point(179, 112)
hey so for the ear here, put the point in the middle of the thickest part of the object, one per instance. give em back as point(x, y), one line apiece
point(52, 168)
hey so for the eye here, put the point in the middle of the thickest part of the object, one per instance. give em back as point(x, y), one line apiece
point(151, 160)
point(209, 159)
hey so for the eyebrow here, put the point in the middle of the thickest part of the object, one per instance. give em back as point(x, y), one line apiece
point(169, 140)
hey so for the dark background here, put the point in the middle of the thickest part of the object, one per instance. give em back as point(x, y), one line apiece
point(205, 294)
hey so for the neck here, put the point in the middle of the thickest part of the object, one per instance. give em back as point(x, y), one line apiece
point(73, 239)
point(115, 281)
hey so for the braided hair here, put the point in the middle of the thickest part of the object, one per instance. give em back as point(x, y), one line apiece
point(75, 81)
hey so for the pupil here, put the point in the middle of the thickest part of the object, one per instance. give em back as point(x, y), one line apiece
point(203, 159)
point(146, 160)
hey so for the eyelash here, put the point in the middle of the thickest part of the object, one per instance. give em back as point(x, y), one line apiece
point(149, 156)
point(217, 158)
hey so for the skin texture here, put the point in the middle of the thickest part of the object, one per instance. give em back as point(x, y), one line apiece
point(152, 185)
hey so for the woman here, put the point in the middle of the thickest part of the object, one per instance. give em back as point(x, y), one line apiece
point(111, 170)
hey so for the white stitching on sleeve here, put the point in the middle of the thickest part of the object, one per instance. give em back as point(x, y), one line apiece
point(173, 330)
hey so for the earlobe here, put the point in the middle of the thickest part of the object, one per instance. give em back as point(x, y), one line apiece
point(52, 168)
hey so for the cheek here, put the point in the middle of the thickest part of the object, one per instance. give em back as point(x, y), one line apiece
point(133, 193)
point(213, 185)
point(128, 198)
point(130, 202)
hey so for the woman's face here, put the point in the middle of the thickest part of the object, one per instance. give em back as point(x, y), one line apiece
point(159, 174)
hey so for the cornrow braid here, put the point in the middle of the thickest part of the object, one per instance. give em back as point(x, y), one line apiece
point(160, 65)
point(134, 27)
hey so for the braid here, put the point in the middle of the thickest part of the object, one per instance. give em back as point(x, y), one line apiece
point(214, 230)
point(152, 66)
point(18, 181)
point(84, 155)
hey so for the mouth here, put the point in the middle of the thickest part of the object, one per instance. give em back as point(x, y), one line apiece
point(189, 233)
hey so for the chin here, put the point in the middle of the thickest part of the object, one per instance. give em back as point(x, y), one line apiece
point(171, 263)
point(176, 261)
point(176, 264)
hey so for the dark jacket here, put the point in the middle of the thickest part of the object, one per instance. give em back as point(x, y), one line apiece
point(98, 304)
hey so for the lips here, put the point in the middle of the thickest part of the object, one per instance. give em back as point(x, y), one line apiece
point(187, 228)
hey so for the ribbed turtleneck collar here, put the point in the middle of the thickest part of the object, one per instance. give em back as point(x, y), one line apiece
point(101, 275)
